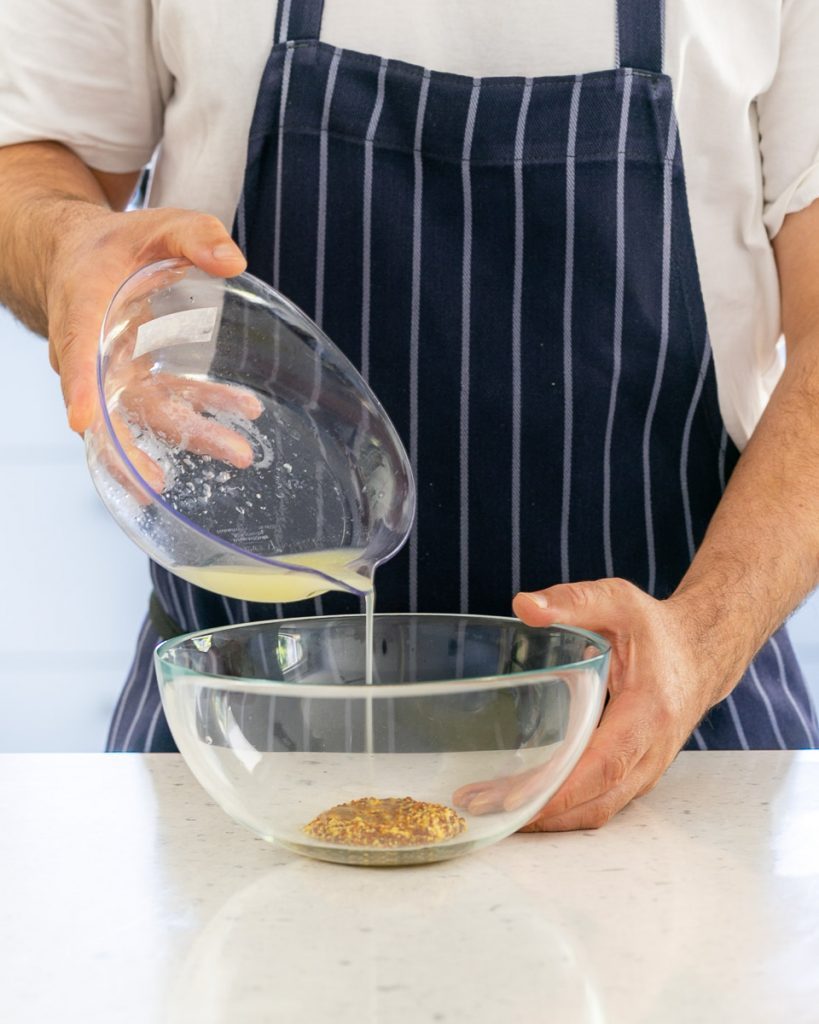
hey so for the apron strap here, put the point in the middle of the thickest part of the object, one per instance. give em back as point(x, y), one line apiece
point(640, 32)
point(298, 20)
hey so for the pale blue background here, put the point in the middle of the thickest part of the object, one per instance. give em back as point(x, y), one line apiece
point(73, 588)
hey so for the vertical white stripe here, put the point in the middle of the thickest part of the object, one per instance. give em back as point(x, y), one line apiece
point(306, 712)
point(321, 256)
point(619, 298)
point(321, 230)
point(415, 323)
point(617, 61)
point(568, 288)
point(271, 672)
point(277, 201)
point(147, 675)
point(412, 658)
point(686, 440)
point(277, 193)
point(241, 233)
point(348, 726)
point(241, 226)
point(723, 448)
point(229, 618)
point(466, 328)
point(517, 303)
point(460, 650)
point(174, 588)
point(149, 739)
point(129, 683)
point(734, 713)
point(390, 712)
point(366, 271)
point(284, 27)
point(321, 472)
point(193, 621)
point(270, 739)
point(276, 342)
point(366, 268)
point(766, 700)
point(787, 690)
point(665, 312)
point(701, 744)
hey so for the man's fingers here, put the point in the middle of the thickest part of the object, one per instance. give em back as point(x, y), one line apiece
point(525, 788)
point(505, 794)
point(592, 814)
point(466, 794)
point(203, 240)
point(74, 330)
point(130, 241)
point(145, 466)
point(179, 424)
point(76, 358)
point(603, 605)
point(210, 396)
point(615, 750)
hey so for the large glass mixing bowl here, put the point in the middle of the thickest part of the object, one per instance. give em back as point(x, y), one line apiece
point(237, 445)
point(470, 725)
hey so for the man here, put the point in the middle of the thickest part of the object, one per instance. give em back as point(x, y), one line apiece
point(504, 246)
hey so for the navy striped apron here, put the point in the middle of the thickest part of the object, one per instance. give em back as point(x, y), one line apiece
point(509, 261)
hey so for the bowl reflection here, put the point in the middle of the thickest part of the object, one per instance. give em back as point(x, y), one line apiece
point(298, 944)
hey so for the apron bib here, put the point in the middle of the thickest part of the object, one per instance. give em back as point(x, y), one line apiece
point(510, 264)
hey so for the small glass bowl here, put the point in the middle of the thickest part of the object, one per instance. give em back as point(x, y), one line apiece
point(470, 725)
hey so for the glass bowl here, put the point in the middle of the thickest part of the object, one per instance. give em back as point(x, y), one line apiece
point(237, 445)
point(470, 725)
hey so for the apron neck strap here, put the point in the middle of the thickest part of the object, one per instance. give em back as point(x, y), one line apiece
point(298, 20)
point(640, 32)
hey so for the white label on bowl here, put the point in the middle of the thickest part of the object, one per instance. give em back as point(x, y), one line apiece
point(183, 328)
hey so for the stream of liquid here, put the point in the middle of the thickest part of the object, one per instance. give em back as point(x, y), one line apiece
point(279, 585)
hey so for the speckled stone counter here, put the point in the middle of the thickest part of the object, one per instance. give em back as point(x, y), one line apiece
point(127, 896)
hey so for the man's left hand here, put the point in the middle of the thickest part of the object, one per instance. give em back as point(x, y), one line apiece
point(659, 689)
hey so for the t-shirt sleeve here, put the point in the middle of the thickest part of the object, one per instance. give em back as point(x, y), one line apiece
point(789, 117)
point(83, 73)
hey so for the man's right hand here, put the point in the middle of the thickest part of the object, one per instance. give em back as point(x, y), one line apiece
point(64, 250)
point(93, 252)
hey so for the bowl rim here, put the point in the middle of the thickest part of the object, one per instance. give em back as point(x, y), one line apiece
point(379, 691)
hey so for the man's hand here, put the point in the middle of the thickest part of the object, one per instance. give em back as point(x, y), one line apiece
point(64, 251)
point(658, 691)
point(674, 659)
point(96, 250)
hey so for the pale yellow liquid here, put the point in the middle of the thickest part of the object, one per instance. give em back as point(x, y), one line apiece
point(273, 585)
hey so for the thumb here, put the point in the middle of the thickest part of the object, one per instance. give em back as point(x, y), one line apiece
point(142, 238)
point(599, 605)
point(204, 241)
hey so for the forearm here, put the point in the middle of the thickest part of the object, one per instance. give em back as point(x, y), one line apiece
point(760, 555)
point(43, 186)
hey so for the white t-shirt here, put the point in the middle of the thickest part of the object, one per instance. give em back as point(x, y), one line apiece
point(112, 80)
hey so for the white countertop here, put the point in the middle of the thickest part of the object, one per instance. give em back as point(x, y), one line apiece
point(127, 896)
